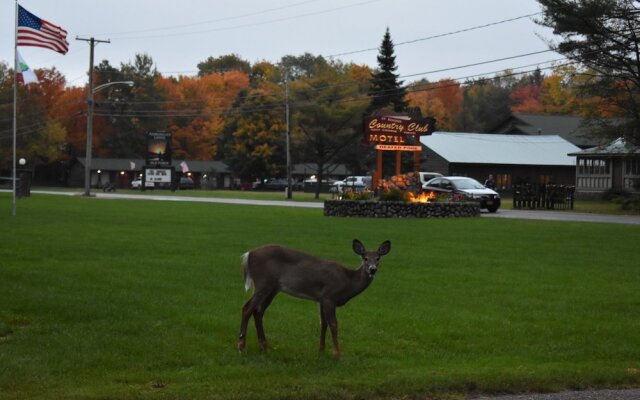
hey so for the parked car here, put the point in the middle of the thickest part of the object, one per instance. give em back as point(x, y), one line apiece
point(137, 184)
point(270, 184)
point(357, 183)
point(185, 183)
point(469, 188)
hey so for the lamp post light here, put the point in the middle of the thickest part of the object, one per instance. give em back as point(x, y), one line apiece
point(92, 91)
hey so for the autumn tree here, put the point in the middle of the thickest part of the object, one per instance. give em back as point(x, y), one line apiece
point(526, 94)
point(441, 100)
point(196, 110)
point(40, 137)
point(602, 37)
point(70, 109)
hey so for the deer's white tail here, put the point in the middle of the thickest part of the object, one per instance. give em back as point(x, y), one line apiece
point(248, 282)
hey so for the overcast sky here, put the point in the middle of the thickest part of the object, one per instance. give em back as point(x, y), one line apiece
point(179, 35)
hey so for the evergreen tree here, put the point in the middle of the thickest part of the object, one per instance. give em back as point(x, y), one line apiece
point(603, 36)
point(385, 89)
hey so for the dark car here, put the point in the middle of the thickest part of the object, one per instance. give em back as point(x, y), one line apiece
point(469, 188)
point(185, 183)
point(271, 184)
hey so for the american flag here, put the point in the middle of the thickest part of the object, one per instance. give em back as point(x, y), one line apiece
point(33, 31)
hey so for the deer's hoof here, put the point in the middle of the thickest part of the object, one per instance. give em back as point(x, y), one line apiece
point(241, 346)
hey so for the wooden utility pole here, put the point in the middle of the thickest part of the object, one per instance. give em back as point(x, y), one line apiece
point(87, 161)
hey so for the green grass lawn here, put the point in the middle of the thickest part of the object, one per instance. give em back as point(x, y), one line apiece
point(118, 299)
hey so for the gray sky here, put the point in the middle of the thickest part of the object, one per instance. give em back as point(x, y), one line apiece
point(179, 35)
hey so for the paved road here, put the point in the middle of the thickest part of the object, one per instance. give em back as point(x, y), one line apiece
point(558, 215)
point(502, 213)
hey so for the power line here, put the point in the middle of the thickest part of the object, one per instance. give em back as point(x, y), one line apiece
point(473, 28)
point(210, 21)
point(252, 24)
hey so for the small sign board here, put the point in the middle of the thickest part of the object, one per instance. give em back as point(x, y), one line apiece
point(158, 149)
point(158, 175)
point(398, 147)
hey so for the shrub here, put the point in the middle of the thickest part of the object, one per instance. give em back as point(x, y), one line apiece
point(357, 195)
point(393, 194)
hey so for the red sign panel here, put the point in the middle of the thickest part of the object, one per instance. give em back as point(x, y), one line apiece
point(392, 130)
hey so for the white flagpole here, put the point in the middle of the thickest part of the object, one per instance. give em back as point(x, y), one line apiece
point(15, 104)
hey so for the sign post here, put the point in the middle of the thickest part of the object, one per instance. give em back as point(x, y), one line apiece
point(158, 168)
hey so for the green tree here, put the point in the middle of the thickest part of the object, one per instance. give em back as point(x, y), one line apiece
point(485, 103)
point(131, 112)
point(222, 64)
point(602, 36)
point(304, 66)
point(328, 114)
point(386, 90)
point(253, 136)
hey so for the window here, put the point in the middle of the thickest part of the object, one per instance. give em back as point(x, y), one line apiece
point(594, 166)
point(503, 181)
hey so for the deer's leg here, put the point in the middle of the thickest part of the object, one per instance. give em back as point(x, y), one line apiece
point(258, 313)
point(323, 328)
point(330, 318)
point(247, 311)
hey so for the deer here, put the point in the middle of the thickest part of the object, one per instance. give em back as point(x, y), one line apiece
point(272, 269)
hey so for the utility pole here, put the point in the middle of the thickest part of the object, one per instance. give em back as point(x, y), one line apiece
point(286, 97)
point(87, 163)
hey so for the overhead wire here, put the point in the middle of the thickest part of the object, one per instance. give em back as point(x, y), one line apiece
point(249, 25)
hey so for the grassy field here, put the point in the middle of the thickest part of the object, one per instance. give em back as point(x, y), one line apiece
point(117, 299)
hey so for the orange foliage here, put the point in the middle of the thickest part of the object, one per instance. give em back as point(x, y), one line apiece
point(442, 100)
point(200, 102)
point(526, 99)
point(70, 110)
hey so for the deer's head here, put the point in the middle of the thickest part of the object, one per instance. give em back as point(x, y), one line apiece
point(371, 259)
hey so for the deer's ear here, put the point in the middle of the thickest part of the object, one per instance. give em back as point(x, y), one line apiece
point(384, 248)
point(358, 247)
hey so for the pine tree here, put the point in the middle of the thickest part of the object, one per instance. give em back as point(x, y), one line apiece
point(385, 89)
point(602, 36)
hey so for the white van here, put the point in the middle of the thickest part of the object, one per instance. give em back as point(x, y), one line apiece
point(356, 182)
point(427, 176)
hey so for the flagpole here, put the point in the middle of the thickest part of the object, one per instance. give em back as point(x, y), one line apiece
point(15, 105)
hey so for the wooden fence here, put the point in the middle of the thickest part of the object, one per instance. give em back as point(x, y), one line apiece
point(543, 196)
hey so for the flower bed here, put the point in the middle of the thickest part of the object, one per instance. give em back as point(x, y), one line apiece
point(399, 209)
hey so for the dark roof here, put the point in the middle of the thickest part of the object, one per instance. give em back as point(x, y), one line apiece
point(124, 164)
point(568, 127)
point(618, 147)
point(114, 164)
point(311, 168)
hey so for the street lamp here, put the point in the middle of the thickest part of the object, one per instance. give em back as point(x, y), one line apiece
point(87, 163)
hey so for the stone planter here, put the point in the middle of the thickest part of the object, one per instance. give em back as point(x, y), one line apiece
point(399, 209)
